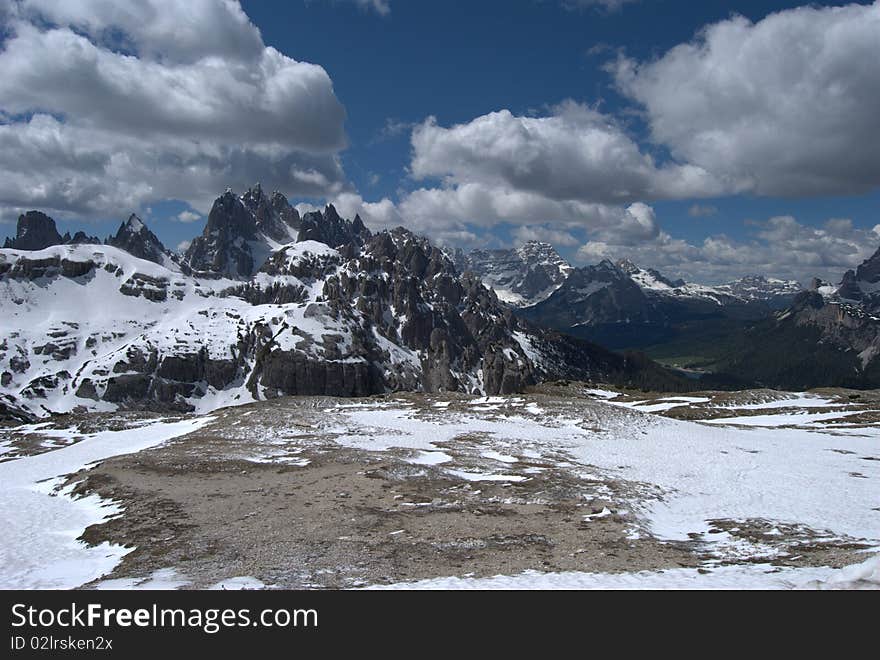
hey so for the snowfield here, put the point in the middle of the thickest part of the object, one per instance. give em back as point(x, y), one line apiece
point(39, 548)
point(809, 476)
point(749, 577)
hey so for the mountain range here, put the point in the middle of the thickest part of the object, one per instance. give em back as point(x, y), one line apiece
point(755, 331)
point(264, 303)
point(268, 302)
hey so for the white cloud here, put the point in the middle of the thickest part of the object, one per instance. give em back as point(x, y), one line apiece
point(573, 166)
point(573, 154)
point(376, 215)
point(181, 30)
point(545, 235)
point(116, 105)
point(183, 246)
point(785, 106)
point(381, 7)
point(778, 247)
point(188, 216)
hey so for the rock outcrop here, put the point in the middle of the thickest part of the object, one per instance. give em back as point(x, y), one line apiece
point(135, 238)
point(327, 227)
point(34, 231)
point(241, 233)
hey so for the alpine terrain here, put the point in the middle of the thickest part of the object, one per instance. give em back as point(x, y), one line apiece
point(263, 303)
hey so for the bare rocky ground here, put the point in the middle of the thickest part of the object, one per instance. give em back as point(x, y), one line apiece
point(268, 490)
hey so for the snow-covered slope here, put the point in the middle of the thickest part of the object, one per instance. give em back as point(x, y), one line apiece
point(135, 238)
point(757, 288)
point(654, 284)
point(94, 326)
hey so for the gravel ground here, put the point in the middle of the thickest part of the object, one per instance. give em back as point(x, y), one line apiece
point(226, 501)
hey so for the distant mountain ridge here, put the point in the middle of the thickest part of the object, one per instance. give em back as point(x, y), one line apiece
point(520, 277)
point(530, 274)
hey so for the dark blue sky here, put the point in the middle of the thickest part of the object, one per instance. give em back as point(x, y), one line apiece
point(458, 60)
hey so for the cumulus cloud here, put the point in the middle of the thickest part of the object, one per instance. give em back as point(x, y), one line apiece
point(571, 166)
point(779, 247)
point(107, 106)
point(544, 234)
point(376, 215)
point(188, 216)
point(784, 106)
point(182, 31)
point(575, 153)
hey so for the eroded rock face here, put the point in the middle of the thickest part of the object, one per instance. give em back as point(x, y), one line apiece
point(352, 314)
point(849, 288)
point(135, 238)
point(327, 227)
point(273, 215)
point(241, 233)
point(869, 270)
point(81, 238)
point(403, 289)
point(224, 248)
point(34, 231)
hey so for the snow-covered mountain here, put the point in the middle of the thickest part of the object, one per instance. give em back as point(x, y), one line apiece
point(135, 238)
point(862, 285)
point(529, 275)
point(757, 288)
point(240, 234)
point(353, 314)
point(655, 285)
point(520, 277)
point(609, 294)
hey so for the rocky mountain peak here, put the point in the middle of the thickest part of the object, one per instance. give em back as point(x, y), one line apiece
point(135, 237)
point(538, 250)
point(273, 214)
point(35, 231)
point(134, 224)
point(648, 277)
point(869, 270)
point(520, 277)
point(329, 228)
point(849, 288)
point(627, 266)
point(80, 238)
point(608, 266)
point(225, 246)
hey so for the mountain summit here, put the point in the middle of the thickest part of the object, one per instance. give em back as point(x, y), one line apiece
point(135, 238)
point(34, 231)
point(520, 277)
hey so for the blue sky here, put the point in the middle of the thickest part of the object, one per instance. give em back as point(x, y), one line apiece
point(605, 75)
